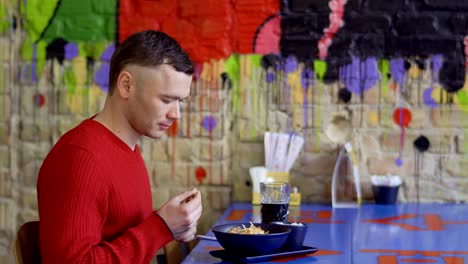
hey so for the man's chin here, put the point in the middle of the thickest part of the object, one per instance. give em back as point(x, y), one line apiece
point(156, 135)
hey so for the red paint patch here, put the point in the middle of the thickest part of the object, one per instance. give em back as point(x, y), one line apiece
point(39, 100)
point(200, 174)
point(207, 29)
point(173, 129)
point(402, 116)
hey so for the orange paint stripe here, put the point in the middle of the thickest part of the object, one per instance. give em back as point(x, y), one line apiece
point(415, 252)
point(210, 248)
point(388, 219)
point(419, 260)
point(311, 220)
point(236, 215)
point(454, 260)
point(321, 252)
point(324, 252)
point(387, 260)
point(434, 222)
point(324, 214)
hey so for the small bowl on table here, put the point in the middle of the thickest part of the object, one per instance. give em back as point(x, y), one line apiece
point(251, 244)
point(296, 237)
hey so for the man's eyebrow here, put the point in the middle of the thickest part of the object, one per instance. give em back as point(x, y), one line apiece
point(175, 97)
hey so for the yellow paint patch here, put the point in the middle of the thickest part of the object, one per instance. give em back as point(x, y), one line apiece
point(75, 101)
point(85, 101)
point(295, 87)
point(95, 96)
point(373, 118)
point(439, 94)
point(414, 71)
point(80, 71)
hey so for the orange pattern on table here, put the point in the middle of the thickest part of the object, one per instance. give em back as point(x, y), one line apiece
point(323, 217)
point(433, 222)
point(416, 254)
point(236, 215)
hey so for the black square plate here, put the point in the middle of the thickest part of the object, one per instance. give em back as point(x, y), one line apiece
point(226, 256)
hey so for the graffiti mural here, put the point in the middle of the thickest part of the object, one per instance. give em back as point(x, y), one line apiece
point(270, 65)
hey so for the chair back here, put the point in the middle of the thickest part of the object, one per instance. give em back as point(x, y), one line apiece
point(27, 244)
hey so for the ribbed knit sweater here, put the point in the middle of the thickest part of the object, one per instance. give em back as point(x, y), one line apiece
point(95, 203)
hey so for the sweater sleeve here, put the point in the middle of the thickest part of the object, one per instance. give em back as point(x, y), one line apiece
point(72, 199)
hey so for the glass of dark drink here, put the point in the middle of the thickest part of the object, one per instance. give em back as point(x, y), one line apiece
point(274, 198)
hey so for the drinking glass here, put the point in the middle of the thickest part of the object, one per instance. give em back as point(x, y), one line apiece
point(274, 198)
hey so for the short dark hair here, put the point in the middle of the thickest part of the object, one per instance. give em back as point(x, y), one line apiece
point(148, 48)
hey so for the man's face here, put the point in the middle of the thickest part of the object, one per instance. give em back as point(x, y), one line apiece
point(154, 104)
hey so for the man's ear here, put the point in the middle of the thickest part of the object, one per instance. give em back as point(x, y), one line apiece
point(124, 83)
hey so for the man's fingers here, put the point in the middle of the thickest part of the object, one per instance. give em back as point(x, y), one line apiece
point(188, 196)
point(188, 236)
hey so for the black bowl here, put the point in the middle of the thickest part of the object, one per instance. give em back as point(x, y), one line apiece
point(296, 237)
point(251, 245)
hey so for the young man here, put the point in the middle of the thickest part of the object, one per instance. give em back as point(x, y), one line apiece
point(93, 189)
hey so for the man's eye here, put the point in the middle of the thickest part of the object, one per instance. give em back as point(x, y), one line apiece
point(166, 101)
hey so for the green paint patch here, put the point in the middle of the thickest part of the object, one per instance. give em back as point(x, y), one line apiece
point(37, 14)
point(75, 21)
point(256, 60)
point(85, 20)
point(462, 96)
point(233, 70)
point(384, 68)
point(462, 100)
point(92, 50)
point(5, 15)
point(320, 68)
point(70, 80)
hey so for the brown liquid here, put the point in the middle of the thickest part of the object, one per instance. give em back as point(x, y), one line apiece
point(274, 212)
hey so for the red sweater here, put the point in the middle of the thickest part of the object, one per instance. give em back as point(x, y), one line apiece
point(95, 203)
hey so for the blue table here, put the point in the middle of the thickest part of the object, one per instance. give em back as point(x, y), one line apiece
point(381, 234)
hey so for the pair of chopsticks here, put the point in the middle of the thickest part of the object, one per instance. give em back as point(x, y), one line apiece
point(281, 150)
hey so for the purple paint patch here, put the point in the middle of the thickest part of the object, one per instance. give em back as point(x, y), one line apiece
point(397, 69)
point(436, 63)
point(107, 54)
point(270, 77)
point(399, 162)
point(209, 123)
point(360, 76)
point(427, 98)
point(25, 75)
point(197, 71)
point(71, 51)
point(101, 77)
point(290, 64)
point(34, 65)
point(306, 75)
point(342, 73)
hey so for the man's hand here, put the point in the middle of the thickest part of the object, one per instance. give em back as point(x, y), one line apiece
point(181, 214)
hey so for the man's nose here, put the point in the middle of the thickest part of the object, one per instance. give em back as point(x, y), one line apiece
point(174, 112)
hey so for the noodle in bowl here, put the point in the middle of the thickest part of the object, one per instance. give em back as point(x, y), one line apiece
point(251, 239)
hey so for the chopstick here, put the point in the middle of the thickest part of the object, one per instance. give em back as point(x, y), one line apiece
point(207, 237)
